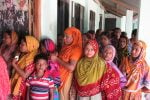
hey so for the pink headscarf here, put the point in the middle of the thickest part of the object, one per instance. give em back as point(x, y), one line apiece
point(4, 80)
point(49, 45)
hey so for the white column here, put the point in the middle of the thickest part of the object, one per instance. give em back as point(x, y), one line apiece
point(123, 23)
point(129, 22)
point(144, 27)
point(49, 19)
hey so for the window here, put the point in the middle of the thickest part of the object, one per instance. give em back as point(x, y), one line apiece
point(92, 21)
point(77, 16)
point(62, 16)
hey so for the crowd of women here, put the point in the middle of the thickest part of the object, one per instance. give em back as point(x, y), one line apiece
point(90, 66)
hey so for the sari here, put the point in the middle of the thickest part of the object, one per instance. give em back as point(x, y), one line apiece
point(89, 72)
point(4, 80)
point(67, 53)
point(7, 51)
point(123, 79)
point(137, 73)
point(25, 63)
point(94, 77)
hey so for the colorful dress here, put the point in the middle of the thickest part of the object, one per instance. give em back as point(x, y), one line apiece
point(40, 87)
point(18, 87)
point(55, 74)
point(123, 79)
point(137, 73)
point(94, 77)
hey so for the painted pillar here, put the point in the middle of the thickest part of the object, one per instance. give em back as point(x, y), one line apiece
point(37, 19)
point(129, 22)
point(123, 23)
point(144, 29)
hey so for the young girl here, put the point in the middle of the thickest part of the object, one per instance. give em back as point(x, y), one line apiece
point(109, 53)
point(40, 85)
point(94, 79)
point(47, 47)
point(137, 72)
point(23, 66)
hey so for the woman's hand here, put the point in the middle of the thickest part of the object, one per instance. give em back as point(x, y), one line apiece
point(54, 57)
point(14, 62)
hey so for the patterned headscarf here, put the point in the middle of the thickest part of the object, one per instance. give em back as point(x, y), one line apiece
point(90, 71)
point(94, 44)
point(143, 48)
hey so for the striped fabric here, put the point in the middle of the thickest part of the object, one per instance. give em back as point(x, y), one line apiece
point(39, 87)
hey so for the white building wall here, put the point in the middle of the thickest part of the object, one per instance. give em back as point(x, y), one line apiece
point(49, 19)
point(89, 5)
point(49, 16)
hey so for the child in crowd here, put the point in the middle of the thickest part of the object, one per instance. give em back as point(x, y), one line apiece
point(47, 47)
point(40, 85)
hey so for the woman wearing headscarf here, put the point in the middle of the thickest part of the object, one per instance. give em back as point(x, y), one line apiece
point(95, 79)
point(137, 72)
point(9, 45)
point(109, 53)
point(68, 57)
point(4, 80)
point(23, 67)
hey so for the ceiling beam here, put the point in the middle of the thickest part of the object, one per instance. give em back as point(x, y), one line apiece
point(125, 5)
point(114, 13)
point(114, 10)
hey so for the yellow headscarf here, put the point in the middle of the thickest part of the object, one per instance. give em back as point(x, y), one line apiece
point(90, 70)
point(32, 45)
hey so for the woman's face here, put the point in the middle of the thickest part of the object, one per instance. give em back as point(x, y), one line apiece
point(136, 50)
point(68, 39)
point(108, 54)
point(89, 51)
point(23, 47)
point(7, 39)
point(123, 42)
point(104, 40)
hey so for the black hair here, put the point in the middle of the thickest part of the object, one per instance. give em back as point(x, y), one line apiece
point(40, 56)
point(7, 32)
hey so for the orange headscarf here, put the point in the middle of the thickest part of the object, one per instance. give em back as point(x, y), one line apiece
point(136, 70)
point(72, 51)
